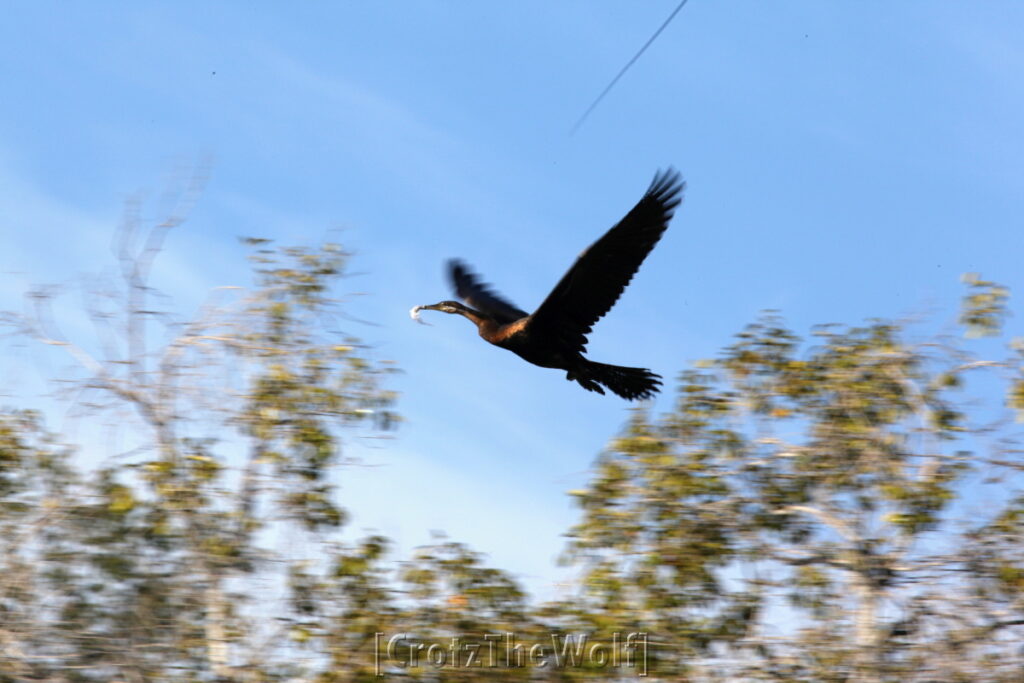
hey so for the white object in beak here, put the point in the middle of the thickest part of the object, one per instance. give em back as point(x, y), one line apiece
point(414, 313)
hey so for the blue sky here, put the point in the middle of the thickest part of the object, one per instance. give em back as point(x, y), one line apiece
point(844, 161)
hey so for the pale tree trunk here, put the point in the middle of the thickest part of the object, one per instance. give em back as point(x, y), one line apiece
point(216, 635)
point(866, 630)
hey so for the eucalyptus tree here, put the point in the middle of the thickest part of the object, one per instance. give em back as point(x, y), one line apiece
point(159, 563)
point(848, 509)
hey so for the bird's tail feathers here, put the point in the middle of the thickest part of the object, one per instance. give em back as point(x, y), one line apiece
point(628, 383)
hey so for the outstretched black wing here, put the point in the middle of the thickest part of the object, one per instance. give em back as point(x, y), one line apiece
point(479, 296)
point(602, 271)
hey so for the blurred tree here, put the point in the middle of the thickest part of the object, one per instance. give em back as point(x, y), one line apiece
point(34, 477)
point(458, 602)
point(146, 571)
point(843, 512)
point(442, 615)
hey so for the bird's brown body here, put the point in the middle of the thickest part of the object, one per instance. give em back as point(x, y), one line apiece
point(518, 338)
point(554, 336)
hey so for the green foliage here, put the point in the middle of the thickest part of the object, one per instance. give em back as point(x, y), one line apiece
point(821, 476)
point(984, 307)
point(305, 384)
point(1015, 394)
point(146, 570)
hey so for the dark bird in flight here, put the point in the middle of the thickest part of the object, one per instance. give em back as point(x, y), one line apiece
point(555, 335)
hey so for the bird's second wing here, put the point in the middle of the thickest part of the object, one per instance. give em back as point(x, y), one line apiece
point(602, 271)
point(479, 296)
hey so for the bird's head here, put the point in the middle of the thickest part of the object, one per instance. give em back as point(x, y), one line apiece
point(445, 307)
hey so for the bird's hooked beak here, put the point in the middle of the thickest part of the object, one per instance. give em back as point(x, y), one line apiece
point(443, 306)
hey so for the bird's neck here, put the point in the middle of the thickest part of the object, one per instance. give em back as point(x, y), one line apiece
point(478, 319)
